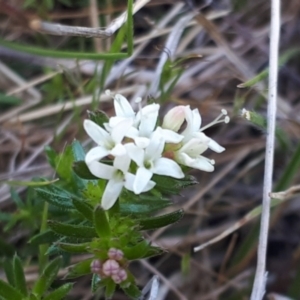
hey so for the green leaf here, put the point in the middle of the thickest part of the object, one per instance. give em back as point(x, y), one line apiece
point(143, 207)
point(8, 292)
point(51, 156)
point(45, 237)
point(153, 251)
point(78, 152)
point(11, 100)
point(74, 248)
point(16, 198)
point(62, 54)
point(59, 293)
point(9, 271)
point(48, 276)
point(161, 221)
point(56, 196)
point(70, 230)
point(20, 282)
point(29, 183)
point(110, 289)
point(95, 282)
point(99, 117)
point(80, 269)
point(101, 223)
point(173, 186)
point(81, 169)
point(85, 209)
point(137, 251)
point(132, 291)
point(64, 162)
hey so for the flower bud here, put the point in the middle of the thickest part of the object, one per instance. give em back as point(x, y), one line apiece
point(120, 276)
point(174, 118)
point(115, 254)
point(96, 266)
point(110, 267)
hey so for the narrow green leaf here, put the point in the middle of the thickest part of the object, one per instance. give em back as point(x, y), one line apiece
point(70, 230)
point(110, 289)
point(48, 276)
point(20, 282)
point(137, 251)
point(74, 248)
point(10, 100)
point(56, 196)
point(8, 292)
point(94, 284)
point(143, 207)
point(132, 291)
point(99, 117)
point(62, 54)
point(28, 183)
point(153, 251)
point(161, 221)
point(80, 269)
point(78, 152)
point(85, 209)
point(101, 222)
point(51, 156)
point(59, 293)
point(81, 169)
point(9, 271)
point(45, 237)
point(284, 58)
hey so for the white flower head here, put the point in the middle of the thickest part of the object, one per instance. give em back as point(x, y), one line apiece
point(118, 177)
point(150, 161)
point(108, 143)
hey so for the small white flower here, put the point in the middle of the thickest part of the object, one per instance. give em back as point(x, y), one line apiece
point(108, 143)
point(150, 161)
point(190, 155)
point(194, 130)
point(117, 176)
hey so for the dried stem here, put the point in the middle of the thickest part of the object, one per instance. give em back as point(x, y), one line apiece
point(260, 276)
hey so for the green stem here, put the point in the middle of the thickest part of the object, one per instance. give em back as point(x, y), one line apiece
point(43, 259)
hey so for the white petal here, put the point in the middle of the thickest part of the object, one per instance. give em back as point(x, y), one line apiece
point(148, 117)
point(120, 130)
point(150, 185)
point(101, 170)
point(167, 167)
point(111, 193)
point(142, 142)
point(122, 163)
point(130, 178)
point(213, 145)
point(155, 147)
point(118, 150)
point(194, 147)
point(200, 163)
point(122, 107)
point(136, 154)
point(96, 133)
point(142, 178)
point(96, 153)
point(170, 136)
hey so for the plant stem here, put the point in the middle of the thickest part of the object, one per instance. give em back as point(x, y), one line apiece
point(43, 248)
point(261, 276)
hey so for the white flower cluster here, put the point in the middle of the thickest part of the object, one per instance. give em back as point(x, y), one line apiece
point(139, 148)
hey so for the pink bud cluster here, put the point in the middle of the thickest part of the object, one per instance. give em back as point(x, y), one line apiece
point(112, 267)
